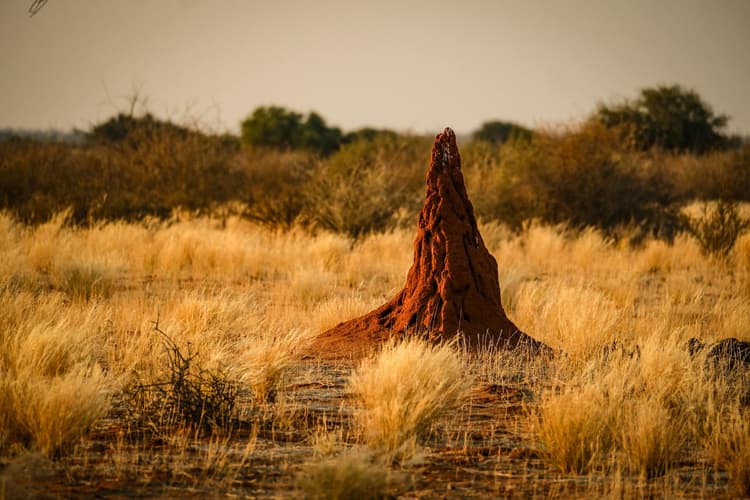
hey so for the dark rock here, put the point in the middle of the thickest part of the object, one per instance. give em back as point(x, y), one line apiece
point(728, 353)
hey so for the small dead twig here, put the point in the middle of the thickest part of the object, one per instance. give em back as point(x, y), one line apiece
point(36, 6)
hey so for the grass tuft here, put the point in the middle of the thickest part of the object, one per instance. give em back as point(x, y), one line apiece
point(84, 281)
point(403, 390)
point(266, 360)
point(729, 445)
point(575, 428)
point(352, 475)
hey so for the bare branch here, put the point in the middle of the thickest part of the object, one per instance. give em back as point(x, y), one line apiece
point(36, 6)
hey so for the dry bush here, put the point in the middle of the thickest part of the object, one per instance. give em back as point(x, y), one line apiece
point(150, 173)
point(403, 390)
point(719, 175)
point(718, 228)
point(351, 475)
point(275, 182)
point(190, 395)
point(389, 169)
point(584, 176)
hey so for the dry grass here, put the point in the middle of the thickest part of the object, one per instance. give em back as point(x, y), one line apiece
point(729, 445)
point(53, 389)
point(575, 429)
point(267, 358)
point(245, 298)
point(351, 475)
point(403, 391)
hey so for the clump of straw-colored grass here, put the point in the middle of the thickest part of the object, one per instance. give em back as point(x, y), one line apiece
point(266, 359)
point(729, 445)
point(403, 390)
point(51, 387)
point(347, 476)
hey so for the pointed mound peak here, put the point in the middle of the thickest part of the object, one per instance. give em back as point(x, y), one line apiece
point(452, 287)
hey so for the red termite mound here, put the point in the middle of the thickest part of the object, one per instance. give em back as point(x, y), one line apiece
point(452, 286)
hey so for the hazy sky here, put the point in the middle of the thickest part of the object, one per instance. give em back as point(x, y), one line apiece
point(409, 65)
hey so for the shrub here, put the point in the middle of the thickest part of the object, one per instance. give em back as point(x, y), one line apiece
point(189, 395)
point(403, 391)
point(364, 186)
point(719, 175)
point(282, 129)
point(584, 177)
point(498, 132)
point(275, 184)
point(154, 171)
point(668, 117)
point(718, 229)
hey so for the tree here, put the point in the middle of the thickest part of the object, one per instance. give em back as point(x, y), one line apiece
point(317, 136)
point(273, 127)
point(498, 132)
point(369, 134)
point(670, 118)
point(132, 129)
point(279, 128)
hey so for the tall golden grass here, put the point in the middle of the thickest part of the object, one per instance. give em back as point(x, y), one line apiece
point(403, 390)
point(246, 297)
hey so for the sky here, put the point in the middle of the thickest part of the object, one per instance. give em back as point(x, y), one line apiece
point(409, 65)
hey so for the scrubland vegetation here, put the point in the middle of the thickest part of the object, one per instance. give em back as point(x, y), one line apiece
point(159, 288)
point(110, 379)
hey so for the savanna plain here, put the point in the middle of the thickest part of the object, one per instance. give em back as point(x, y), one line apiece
point(170, 358)
point(161, 289)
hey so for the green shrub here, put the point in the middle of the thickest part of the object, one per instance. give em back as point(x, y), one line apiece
point(499, 132)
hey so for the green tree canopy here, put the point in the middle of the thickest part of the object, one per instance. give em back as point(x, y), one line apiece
point(670, 118)
point(280, 128)
point(369, 134)
point(498, 132)
point(126, 127)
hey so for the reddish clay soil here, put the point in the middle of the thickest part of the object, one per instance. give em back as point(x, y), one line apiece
point(452, 287)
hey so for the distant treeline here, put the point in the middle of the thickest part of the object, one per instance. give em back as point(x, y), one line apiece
point(629, 165)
